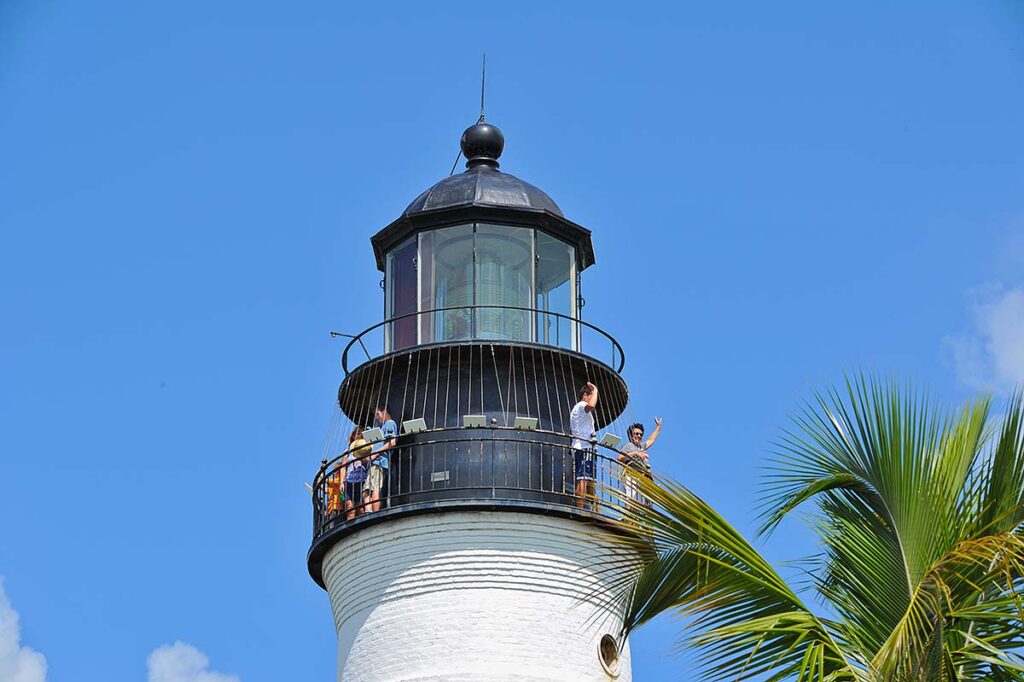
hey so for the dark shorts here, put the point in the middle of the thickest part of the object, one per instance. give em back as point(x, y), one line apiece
point(353, 491)
point(585, 468)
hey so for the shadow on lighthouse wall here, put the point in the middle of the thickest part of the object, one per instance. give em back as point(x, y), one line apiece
point(437, 586)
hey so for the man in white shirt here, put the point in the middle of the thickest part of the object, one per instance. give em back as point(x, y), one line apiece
point(581, 426)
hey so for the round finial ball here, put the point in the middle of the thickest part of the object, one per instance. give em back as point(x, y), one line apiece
point(482, 141)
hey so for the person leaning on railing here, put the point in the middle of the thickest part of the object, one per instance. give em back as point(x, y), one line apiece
point(354, 471)
point(634, 456)
point(377, 476)
point(333, 481)
point(333, 493)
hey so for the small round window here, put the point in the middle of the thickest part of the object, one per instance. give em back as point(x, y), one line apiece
point(608, 652)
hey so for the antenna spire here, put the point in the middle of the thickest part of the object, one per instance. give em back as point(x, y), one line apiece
point(483, 81)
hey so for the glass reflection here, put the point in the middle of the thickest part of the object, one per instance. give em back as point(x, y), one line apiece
point(504, 277)
point(446, 281)
point(473, 278)
point(555, 291)
point(401, 274)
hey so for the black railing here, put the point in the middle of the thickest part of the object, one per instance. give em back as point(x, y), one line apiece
point(469, 465)
point(495, 323)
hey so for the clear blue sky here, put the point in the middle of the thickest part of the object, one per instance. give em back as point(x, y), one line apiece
point(187, 191)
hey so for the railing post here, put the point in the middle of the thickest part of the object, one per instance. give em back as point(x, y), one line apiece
point(318, 506)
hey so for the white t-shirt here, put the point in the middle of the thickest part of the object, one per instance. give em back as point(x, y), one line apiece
point(581, 426)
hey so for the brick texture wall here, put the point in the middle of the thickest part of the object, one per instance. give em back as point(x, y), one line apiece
point(469, 596)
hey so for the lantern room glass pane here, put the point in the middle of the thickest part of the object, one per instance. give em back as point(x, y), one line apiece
point(479, 281)
point(446, 281)
point(401, 281)
point(504, 280)
point(556, 277)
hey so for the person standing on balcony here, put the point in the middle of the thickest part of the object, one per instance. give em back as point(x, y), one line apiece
point(354, 471)
point(376, 478)
point(581, 426)
point(634, 455)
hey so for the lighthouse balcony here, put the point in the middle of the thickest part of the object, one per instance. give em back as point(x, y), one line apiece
point(470, 468)
point(500, 376)
point(453, 325)
point(482, 403)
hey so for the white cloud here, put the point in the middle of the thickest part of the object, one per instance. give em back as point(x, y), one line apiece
point(17, 663)
point(181, 662)
point(178, 662)
point(992, 354)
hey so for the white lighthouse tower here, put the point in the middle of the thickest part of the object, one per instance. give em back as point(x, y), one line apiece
point(480, 561)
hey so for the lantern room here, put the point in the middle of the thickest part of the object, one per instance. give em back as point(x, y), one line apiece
point(482, 255)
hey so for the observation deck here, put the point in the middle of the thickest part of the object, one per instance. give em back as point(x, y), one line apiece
point(479, 361)
point(468, 469)
point(492, 465)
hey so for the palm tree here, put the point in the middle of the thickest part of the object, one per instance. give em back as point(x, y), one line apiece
point(919, 513)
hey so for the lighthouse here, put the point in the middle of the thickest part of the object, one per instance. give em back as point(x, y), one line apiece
point(449, 526)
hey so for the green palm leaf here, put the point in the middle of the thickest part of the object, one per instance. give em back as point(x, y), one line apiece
point(688, 560)
point(920, 516)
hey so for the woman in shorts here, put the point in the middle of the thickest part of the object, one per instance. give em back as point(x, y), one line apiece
point(355, 473)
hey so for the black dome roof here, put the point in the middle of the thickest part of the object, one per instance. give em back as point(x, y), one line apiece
point(483, 194)
point(482, 186)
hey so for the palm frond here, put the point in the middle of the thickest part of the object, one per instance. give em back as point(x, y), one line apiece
point(920, 515)
point(984, 572)
point(747, 621)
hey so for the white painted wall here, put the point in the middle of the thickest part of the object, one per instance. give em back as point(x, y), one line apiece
point(468, 596)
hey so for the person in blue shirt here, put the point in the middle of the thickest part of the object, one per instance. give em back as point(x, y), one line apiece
point(377, 476)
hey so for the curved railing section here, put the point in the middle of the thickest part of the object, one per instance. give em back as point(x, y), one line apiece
point(538, 469)
point(476, 323)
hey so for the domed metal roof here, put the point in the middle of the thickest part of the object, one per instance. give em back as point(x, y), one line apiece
point(484, 194)
point(482, 185)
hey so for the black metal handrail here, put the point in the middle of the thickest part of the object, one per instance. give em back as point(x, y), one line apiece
point(555, 435)
point(616, 348)
point(504, 464)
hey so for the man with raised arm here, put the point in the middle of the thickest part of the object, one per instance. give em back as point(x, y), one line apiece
point(634, 455)
point(581, 426)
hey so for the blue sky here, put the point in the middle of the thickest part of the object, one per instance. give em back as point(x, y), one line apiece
point(187, 191)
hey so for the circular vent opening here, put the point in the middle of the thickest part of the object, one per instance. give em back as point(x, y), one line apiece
point(608, 652)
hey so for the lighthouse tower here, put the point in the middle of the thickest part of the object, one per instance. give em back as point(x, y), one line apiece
point(482, 560)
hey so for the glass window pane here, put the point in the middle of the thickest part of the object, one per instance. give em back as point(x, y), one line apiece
point(555, 280)
point(504, 277)
point(425, 269)
point(448, 283)
point(401, 285)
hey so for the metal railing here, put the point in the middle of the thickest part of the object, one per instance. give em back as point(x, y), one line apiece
point(470, 465)
point(494, 323)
